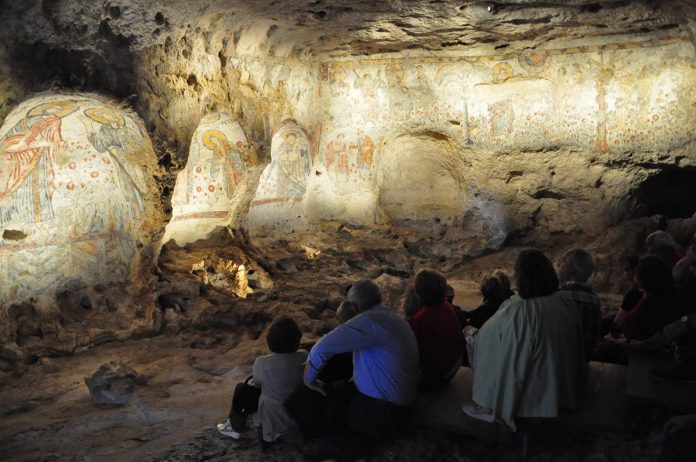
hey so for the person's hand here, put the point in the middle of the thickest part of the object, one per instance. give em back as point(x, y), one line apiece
point(674, 330)
point(611, 339)
point(469, 330)
point(316, 385)
point(680, 422)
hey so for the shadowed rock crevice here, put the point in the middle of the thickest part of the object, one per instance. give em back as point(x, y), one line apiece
point(669, 193)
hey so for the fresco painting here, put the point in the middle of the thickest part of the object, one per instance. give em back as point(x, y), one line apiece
point(74, 179)
point(217, 164)
point(580, 97)
point(606, 99)
point(283, 183)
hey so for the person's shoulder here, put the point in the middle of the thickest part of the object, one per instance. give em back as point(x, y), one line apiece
point(578, 294)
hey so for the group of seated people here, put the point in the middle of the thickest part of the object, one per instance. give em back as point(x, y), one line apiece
point(529, 350)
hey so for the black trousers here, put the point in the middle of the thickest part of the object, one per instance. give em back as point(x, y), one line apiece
point(356, 423)
point(680, 446)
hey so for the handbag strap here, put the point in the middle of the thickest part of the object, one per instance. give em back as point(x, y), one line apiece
point(248, 378)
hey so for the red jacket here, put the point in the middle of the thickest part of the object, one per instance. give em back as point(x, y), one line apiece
point(440, 342)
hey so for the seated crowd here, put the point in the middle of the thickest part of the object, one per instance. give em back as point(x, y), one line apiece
point(529, 350)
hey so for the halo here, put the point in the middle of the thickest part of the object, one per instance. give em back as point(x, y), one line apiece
point(209, 135)
point(287, 134)
point(105, 116)
point(65, 108)
point(533, 64)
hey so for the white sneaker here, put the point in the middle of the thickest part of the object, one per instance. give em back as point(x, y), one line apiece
point(477, 412)
point(220, 426)
point(227, 430)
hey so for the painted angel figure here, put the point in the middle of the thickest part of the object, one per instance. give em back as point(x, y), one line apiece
point(27, 153)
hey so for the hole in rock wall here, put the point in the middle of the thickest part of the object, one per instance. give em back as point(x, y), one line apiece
point(669, 193)
point(420, 178)
point(13, 235)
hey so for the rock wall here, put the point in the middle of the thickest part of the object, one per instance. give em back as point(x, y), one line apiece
point(480, 121)
point(210, 188)
point(279, 199)
point(540, 138)
point(78, 201)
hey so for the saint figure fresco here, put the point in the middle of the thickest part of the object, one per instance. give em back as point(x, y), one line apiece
point(214, 169)
point(283, 182)
point(27, 155)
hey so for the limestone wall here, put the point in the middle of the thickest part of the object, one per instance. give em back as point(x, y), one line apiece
point(207, 190)
point(78, 202)
point(557, 140)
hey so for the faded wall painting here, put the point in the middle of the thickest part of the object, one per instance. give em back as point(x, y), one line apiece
point(608, 98)
point(283, 183)
point(603, 99)
point(74, 188)
point(216, 165)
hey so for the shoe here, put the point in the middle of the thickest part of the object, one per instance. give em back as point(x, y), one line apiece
point(682, 372)
point(227, 430)
point(220, 426)
point(477, 412)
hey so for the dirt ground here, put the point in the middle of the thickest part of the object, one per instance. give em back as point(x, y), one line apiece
point(46, 412)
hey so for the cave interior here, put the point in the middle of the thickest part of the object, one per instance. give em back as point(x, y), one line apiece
point(176, 175)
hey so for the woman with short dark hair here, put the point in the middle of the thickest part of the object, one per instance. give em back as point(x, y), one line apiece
point(278, 375)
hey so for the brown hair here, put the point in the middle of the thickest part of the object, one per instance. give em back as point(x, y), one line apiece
point(431, 287)
point(535, 274)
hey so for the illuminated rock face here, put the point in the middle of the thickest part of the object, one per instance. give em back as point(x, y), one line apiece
point(493, 142)
point(217, 164)
point(76, 195)
point(279, 196)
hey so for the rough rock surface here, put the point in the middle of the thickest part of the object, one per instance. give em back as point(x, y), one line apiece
point(78, 197)
point(440, 134)
point(482, 120)
point(192, 368)
point(113, 384)
point(210, 190)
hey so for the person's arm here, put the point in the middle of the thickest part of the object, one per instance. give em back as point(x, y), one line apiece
point(677, 423)
point(257, 374)
point(358, 333)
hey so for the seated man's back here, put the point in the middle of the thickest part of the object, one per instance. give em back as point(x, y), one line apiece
point(385, 354)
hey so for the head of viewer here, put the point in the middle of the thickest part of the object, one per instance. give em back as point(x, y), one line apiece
point(431, 287)
point(411, 304)
point(346, 311)
point(576, 265)
point(504, 280)
point(450, 294)
point(653, 274)
point(491, 289)
point(661, 243)
point(364, 294)
point(284, 336)
point(535, 274)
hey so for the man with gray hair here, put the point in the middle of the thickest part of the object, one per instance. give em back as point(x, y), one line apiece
point(386, 374)
point(574, 269)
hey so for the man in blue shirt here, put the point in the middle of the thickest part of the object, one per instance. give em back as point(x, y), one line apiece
point(385, 378)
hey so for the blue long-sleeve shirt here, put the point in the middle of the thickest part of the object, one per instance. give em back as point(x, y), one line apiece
point(385, 354)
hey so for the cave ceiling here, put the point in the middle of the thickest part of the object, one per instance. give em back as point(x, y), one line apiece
point(340, 28)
